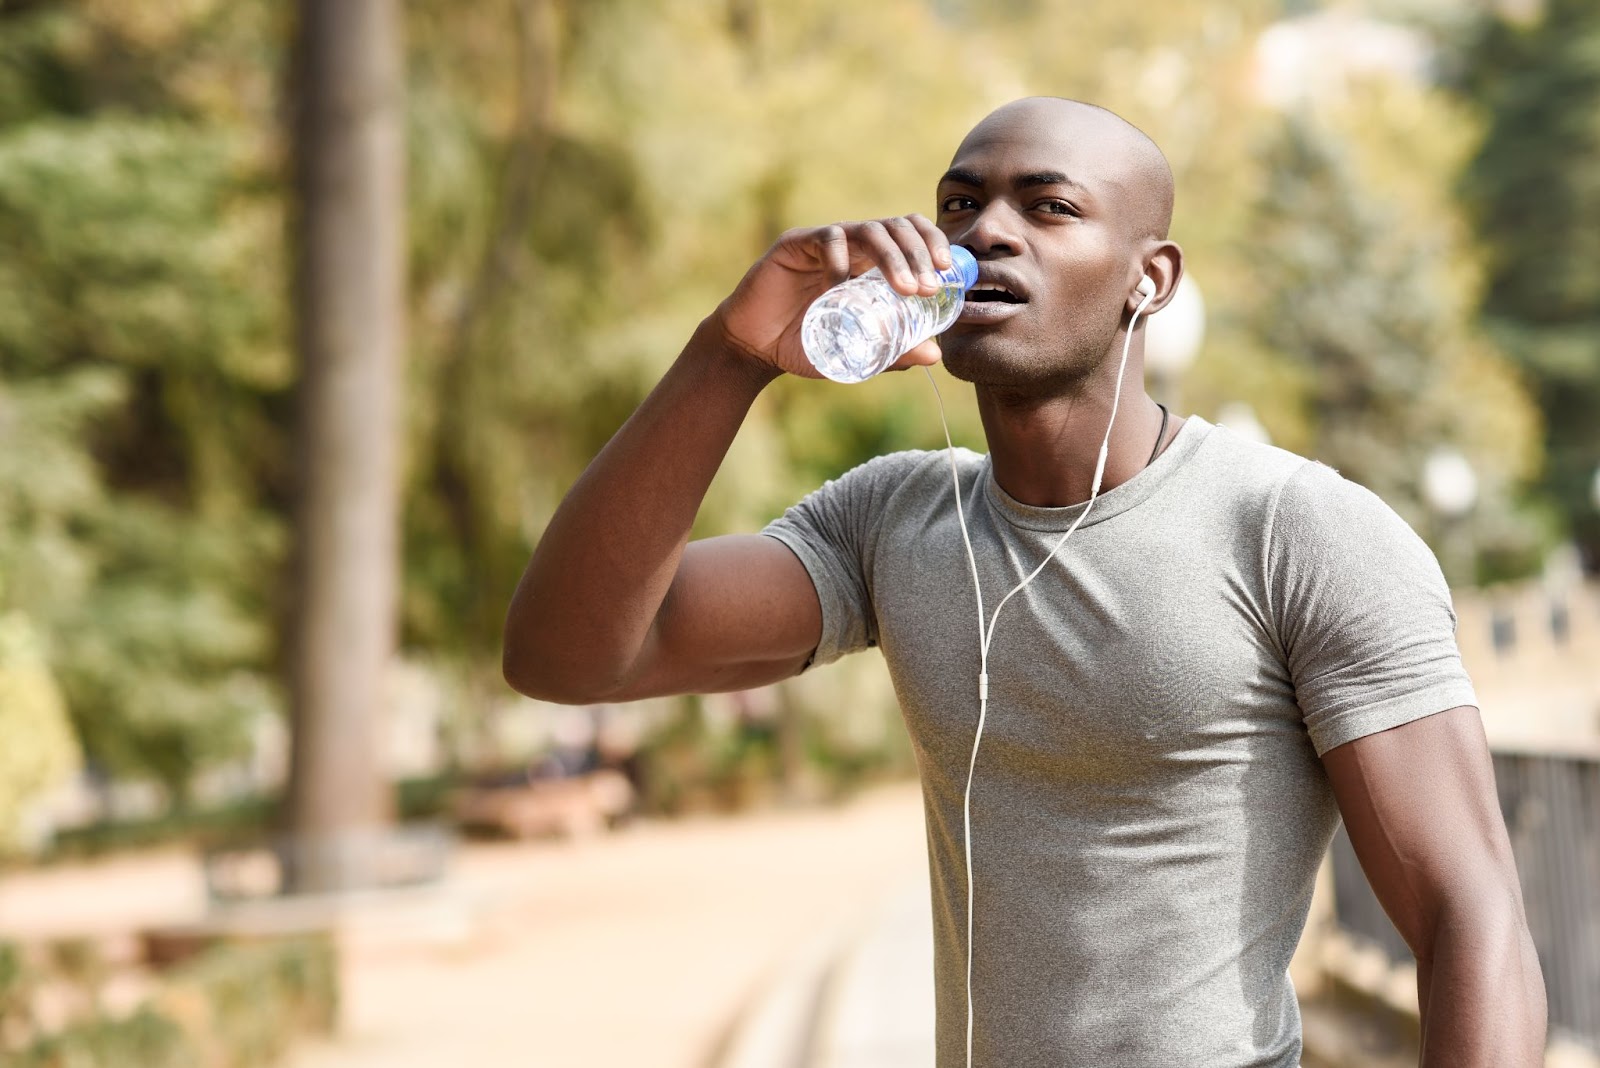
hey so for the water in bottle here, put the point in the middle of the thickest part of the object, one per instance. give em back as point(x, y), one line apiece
point(862, 326)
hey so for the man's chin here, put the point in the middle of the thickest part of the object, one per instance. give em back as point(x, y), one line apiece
point(982, 361)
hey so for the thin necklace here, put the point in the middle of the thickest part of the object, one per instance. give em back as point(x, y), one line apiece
point(1159, 434)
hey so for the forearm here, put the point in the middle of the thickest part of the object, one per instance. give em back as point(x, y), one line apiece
point(591, 592)
point(1481, 994)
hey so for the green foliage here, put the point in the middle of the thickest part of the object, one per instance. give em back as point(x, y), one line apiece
point(243, 1005)
point(586, 179)
point(245, 819)
point(17, 983)
point(1375, 311)
point(141, 369)
point(526, 235)
point(196, 826)
point(40, 750)
point(589, 180)
point(234, 1006)
point(823, 734)
point(145, 1038)
point(1534, 190)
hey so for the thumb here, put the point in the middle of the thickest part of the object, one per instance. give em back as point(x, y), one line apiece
point(922, 356)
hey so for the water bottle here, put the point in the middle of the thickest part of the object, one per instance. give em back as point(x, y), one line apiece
point(862, 326)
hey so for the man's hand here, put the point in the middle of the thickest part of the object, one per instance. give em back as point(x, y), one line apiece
point(615, 605)
point(761, 318)
point(1419, 802)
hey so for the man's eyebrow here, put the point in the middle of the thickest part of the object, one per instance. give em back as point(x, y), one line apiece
point(961, 176)
point(1025, 181)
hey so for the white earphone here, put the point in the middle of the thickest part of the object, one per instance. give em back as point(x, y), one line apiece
point(1147, 288)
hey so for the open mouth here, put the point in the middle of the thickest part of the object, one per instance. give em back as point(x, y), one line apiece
point(993, 293)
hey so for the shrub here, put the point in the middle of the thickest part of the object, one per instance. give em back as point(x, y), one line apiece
point(40, 750)
point(236, 1005)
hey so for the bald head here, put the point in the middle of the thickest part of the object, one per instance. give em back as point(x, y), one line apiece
point(1115, 158)
point(1066, 208)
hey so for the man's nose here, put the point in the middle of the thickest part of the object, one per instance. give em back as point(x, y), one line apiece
point(992, 232)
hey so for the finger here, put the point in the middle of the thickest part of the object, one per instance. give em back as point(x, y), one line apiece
point(938, 244)
point(833, 250)
point(933, 237)
point(914, 247)
point(924, 355)
point(884, 252)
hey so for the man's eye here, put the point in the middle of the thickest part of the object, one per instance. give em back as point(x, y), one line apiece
point(956, 203)
point(1058, 207)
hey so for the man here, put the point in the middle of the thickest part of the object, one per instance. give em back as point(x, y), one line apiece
point(1235, 647)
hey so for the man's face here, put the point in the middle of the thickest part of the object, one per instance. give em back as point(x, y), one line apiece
point(1026, 196)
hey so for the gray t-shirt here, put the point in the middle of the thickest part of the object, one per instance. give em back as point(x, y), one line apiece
point(1149, 810)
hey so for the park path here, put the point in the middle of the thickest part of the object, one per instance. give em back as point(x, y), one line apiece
point(640, 947)
point(637, 948)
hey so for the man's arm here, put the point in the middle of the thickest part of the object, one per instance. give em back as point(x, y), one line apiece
point(1420, 806)
point(615, 604)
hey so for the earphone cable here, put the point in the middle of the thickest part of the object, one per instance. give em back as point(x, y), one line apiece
point(986, 634)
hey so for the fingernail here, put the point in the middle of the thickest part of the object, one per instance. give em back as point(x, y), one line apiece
point(929, 278)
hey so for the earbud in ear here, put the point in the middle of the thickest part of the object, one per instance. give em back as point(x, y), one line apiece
point(1147, 286)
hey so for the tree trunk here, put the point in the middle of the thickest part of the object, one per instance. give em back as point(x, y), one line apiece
point(349, 246)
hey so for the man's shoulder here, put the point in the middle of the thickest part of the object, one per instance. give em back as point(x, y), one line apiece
point(907, 470)
point(1317, 513)
point(1251, 464)
point(1291, 502)
point(890, 488)
point(1293, 483)
point(907, 462)
point(1238, 479)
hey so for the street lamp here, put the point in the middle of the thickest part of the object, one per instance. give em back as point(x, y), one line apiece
point(1172, 339)
point(1450, 486)
point(1449, 483)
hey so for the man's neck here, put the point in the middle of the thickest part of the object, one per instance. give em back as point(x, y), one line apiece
point(1044, 448)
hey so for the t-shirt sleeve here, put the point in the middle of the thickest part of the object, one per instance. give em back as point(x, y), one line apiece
point(1361, 609)
point(834, 532)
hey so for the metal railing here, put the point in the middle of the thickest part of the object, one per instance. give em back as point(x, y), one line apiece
point(1551, 806)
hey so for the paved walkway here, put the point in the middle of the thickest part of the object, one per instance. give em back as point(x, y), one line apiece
point(640, 948)
point(636, 949)
point(102, 897)
point(879, 1008)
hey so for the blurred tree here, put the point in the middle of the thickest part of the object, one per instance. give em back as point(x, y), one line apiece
point(1185, 74)
point(585, 180)
point(526, 241)
point(349, 242)
point(1376, 311)
point(138, 374)
point(548, 307)
point(669, 145)
point(40, 750)
point(1534, 192)
point(637, 159)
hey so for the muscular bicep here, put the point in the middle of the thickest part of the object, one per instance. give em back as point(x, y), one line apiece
point(1420, 806)
point(742, 611)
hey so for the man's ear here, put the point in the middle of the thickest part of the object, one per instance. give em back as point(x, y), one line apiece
point(1164, 267)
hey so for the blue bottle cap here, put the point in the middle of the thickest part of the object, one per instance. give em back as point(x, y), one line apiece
point(963, 264)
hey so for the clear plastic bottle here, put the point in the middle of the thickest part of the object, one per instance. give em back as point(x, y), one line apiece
point(862, 326)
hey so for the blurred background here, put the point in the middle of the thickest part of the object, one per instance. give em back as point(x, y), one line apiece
point(309, 315)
